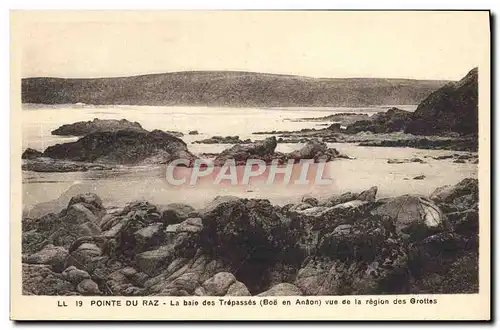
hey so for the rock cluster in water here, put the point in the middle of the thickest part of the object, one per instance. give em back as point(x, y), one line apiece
point(265, 150)
point(343, 245)
point(223, 140)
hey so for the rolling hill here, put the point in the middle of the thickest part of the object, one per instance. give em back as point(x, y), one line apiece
point(227, 88)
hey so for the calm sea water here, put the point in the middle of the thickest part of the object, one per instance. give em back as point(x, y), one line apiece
point(123, 185)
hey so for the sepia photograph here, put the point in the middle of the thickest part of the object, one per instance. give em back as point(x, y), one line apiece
point(248, 155)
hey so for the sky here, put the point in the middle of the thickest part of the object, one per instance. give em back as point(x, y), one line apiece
point(419, 45)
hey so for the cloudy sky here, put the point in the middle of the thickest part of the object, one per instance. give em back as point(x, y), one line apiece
point(423, 45)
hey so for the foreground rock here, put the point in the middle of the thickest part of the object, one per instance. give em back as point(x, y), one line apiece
point(128, 147)
point(344, 245)
point(82, 128)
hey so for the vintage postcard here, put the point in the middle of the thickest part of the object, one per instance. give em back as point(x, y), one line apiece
point(250, 165)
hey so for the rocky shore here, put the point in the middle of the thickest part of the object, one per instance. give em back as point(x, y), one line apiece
point(446, 119)
point(343, 245)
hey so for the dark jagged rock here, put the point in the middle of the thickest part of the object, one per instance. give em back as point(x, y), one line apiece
point(193, 133)
point(175, 213)
point(224, 140)
point(452, 108)
point(82, 128)
point(122, 147)
point(393, 120)
point(314, 149)
point(346, 261)
point(263, 150)
point(31, 154)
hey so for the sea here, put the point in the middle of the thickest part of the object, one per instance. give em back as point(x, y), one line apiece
point(50, 192)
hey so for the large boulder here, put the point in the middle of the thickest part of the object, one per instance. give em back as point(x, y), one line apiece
point(75, 275)
point(217, 285)
point(88, 287)
point(151, 262)
point(97, 125)
point(263, 150)
point(85, 254)
point(54, 256)
point(80, 218)
point(460, 197)
point(175, 212)
point(130, 147)
point(365, 257)
point(413, 216)
point(313, 149)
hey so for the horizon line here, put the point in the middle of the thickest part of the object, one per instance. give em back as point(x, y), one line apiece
point(230, 71)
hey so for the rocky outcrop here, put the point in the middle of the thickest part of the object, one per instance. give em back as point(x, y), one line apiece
point(452, 108)
point(82, 128)
point(348, 244)
point(265, 150)
point(393, 120)
point(130, 147)
point(31, 154)
point(223, 140)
